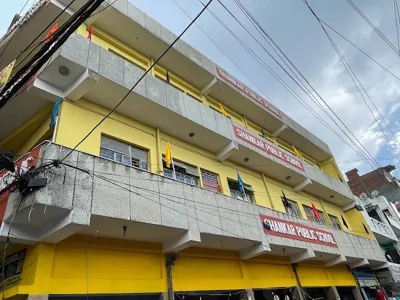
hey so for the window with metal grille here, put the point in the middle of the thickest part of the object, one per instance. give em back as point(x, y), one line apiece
point(124, 153)
point(182, 172)
point(291, 208)
point(310, 215)
point(210, 181)
point(335, 222)
point(248, 194)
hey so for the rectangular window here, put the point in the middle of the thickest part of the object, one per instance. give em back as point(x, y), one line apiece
point(183, 173)
point(248, 194)
point(310, 215)
point(335, 222)
point(291, 208)
point(210, 181)
point(124, 153)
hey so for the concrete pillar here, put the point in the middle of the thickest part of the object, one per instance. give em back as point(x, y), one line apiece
point(333, 293)
point(357, 293)
point(250, 294)
point(297, 293)
point(164, 296)
point(37, 297)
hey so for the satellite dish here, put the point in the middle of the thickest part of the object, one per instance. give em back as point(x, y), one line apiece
point(374, 193)
point(363, 196)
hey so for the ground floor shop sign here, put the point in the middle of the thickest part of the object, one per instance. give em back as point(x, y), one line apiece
point(12, 269)
point(389, 275)
point(283, 228)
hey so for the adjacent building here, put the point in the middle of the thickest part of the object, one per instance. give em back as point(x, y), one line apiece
point(120, 218)
point(380, 180)
point(384, 221)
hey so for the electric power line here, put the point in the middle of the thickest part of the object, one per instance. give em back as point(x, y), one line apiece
point(305, 91)
point(359, 146)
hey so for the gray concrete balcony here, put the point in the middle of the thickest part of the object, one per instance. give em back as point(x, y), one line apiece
point(124, 21)
point(99, 197)
point(104, 78)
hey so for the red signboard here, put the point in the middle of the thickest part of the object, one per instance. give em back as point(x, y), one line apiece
point(21, 165)
point(240, 87)
point(264, 146)
point(282, 228)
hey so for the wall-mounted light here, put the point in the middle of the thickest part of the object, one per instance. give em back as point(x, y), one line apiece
point(191, 134)
point(288, 177)
point(246, 159)
point(63, 70)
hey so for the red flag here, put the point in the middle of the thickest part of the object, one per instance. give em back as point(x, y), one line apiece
point(316, 212)
point(90, 32)
point(49, 35)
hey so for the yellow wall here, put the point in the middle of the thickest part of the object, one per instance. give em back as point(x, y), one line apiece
point(77, 119)
point(314, 274)
point(95, 265)
point(106, 41)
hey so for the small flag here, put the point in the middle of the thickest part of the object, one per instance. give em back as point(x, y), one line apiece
point(263, 133)
point(365, 228)
point(167, 77)
point(296, 151)
point(90, 32)
point(49, 35)
point(240, 183)
point(316, 212)
point(54, 113)
point(344, 221)
point(223, 111)
point(168, 156)
point(285, 200)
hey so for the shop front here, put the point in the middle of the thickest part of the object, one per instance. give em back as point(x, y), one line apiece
point(367, 282)
point(389, 279)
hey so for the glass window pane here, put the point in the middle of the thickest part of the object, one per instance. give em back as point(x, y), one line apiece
point(118, 157)
point(114, 145)
point(126, 160)
point(106, 153)
point(168, 173)
point(139, 153)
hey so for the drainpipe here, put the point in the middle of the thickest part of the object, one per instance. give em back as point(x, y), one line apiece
point(171, 258)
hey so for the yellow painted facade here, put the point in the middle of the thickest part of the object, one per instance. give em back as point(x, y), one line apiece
point(88, 264)
point(96, 265)
point(77, 119)
point(108, 42)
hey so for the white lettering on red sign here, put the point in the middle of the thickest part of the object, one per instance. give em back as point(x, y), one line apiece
point(255, 141)
point(282, 228)
point(239, 86)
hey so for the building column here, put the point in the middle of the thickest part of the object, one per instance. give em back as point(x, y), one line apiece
point(37, 297)
point(357, 293)
point(250, 294)
point(333, 293)
point(164, 296)
point(297, 293)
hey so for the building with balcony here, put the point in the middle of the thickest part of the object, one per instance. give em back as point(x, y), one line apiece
point(381, 216)
point(110, 220)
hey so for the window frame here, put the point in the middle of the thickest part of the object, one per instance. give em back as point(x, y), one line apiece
point(130, 156)
point(236, 193)
point(332, 223)
point(321, 221)
point(181, 174)
point(292, 203)
point(218, 184)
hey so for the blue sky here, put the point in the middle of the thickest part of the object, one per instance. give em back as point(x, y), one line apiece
point(292, 26)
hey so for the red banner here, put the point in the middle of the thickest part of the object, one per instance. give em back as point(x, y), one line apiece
point(240, 87)
point(264, 146)
point(282, 228)
point(22, 164)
